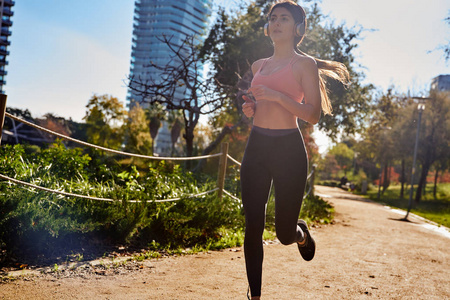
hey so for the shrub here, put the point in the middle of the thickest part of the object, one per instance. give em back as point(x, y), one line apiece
point(38, 222)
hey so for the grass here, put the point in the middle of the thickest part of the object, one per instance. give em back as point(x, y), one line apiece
point(434, 209)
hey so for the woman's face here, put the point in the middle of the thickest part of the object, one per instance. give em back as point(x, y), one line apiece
point(281, 25)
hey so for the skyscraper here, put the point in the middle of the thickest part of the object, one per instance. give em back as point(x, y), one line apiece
point(5, 21)
point(153, 19)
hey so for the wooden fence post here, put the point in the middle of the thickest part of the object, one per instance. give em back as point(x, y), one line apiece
point(222, 170)
point(2, 113)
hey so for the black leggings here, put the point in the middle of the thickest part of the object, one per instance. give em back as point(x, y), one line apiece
point(278, 156)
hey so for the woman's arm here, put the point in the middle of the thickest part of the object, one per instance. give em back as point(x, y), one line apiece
point(249, 107)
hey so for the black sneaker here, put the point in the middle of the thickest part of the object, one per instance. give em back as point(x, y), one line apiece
point(308, 249)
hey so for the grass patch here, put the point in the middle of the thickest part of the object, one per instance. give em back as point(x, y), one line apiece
point(434, 209)
point(317, 210)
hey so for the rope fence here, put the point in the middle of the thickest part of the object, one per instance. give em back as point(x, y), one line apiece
point(231, 195)
point(97, 198)
point(107, 149)
point(224, 156)
point(233, 160)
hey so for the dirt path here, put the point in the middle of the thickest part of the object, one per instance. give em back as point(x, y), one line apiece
point(368, 252)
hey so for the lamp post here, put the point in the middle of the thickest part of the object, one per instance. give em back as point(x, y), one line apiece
point(420, 108)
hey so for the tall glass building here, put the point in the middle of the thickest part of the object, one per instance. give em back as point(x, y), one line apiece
point(153, 19)
point(5, 21)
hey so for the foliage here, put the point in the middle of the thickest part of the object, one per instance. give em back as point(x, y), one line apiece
point(446, 48)
point(343, 154)
point(156, 115)
point(105, 117)
point(177, 86)
point(390, 139)
point(328, 167)
point(138, 132)
point(317, 210)
point(35, 222)
point(435, 147)
point(235, 42)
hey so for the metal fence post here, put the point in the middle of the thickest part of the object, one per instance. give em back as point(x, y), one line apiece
point(222, 170)
point(2, 113)
point(313, 175)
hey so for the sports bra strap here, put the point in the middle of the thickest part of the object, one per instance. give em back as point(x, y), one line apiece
point(293, 60)
point(264, 63)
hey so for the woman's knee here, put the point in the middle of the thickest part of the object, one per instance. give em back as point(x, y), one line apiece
point(254, 228)
point(285, 235)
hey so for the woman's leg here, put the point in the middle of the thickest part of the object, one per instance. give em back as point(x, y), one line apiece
point(256, 182)
point(290, 171)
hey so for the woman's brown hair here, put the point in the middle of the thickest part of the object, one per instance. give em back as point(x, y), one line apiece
point(327, 68)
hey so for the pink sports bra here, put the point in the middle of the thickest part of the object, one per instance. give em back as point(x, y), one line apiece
point(282, 80)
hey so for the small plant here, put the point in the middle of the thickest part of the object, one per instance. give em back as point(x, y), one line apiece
point(55, 268)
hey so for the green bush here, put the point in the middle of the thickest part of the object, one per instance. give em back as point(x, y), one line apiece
point(36, 222)
point(316, 210)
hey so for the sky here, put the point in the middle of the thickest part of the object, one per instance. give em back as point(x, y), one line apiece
point(63, 52)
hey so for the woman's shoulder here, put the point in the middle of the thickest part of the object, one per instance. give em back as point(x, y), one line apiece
point(302, 62)
point(257, 65)
point(304, 65)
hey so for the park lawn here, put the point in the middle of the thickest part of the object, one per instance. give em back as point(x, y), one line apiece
point(434, 209)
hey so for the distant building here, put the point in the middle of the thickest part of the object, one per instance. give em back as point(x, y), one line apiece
point(152, 19)
point(5, 20)
point(440, 83)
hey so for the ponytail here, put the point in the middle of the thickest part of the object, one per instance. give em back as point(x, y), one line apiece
point(329, 69)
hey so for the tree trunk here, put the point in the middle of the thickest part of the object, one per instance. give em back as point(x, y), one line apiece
point(189, 137)
point(422, 181)
point(403, 177)
point(153, 147)
point(174, 134)
point(436, 176)
point(386, 180)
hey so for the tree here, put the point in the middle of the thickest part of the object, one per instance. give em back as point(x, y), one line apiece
point(343, 156)
point(175, 119)
point(328, 168)
point(155, 115)
point(138, 133)
point(434, 142)
point(235, 42)
point(446, 48)
point(56, 124)
point(384, 143)
point(182, 73)
point(105, 117)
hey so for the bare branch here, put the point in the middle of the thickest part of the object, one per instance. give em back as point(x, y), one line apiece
point(179, 84)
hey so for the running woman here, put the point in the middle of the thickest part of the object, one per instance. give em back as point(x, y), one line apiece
point(288, 85)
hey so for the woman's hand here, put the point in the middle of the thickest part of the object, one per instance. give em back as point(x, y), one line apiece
point(261, 92)
point(248, 108)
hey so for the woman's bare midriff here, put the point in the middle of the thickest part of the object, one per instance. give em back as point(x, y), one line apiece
point(272, 115)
